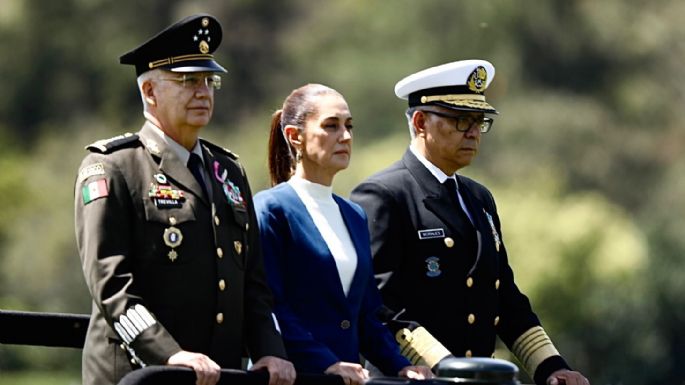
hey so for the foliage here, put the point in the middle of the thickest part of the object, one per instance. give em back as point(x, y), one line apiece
point(585, 159)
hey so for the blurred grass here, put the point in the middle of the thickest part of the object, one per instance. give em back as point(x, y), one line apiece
point(40, 378)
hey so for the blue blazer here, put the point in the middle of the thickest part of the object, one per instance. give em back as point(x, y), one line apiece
point(320, 326)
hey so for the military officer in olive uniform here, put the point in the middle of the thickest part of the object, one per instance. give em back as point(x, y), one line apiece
point(438, 250)
point(166, 230)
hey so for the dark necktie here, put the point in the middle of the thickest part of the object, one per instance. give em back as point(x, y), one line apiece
point(451, 186)
point(195, 166)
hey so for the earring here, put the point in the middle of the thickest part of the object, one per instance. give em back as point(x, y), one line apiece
point(298, 155)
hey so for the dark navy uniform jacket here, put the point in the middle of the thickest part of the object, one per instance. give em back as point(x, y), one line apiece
point(167, 267)
point(449, 275)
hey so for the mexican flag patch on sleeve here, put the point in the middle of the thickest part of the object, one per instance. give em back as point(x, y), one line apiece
point(94, 190)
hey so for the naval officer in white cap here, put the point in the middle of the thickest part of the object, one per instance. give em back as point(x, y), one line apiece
point(436, 237)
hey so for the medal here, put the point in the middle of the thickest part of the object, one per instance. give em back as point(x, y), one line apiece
point(172, 238)
point(231, 191)
point(495, 234)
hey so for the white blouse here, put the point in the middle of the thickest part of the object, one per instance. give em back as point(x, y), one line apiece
point(318, 199)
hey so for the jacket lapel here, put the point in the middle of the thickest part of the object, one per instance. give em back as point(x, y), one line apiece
point(170, 164)
point(476, 209)
point(361, 247)
point(436, 196)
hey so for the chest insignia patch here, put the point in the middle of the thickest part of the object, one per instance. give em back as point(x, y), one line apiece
point(433, 267)
point(164, 196)
point(160, 178)
point(495, 234)
point(431, 233)
point(231, 191)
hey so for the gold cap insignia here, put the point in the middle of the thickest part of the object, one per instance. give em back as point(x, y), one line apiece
point(478, 80)
point(204, 47)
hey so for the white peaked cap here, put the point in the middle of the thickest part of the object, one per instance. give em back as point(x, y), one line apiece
point(458, 85)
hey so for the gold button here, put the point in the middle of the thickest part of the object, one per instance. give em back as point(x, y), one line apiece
point(219, 252)
point(122, 346)
point(222, 285)
point(216, 220)
point(133, 361)
point(449, 242)
point(172, 221)
point(472, 318)
point(469, 282)
point(468, 354)
point(238, 246)
point(219, 318)
point(496, 320)
point(497, 284)
point(247, 226)
point(345, 324)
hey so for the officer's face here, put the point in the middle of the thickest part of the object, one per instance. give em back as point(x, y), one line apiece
point(444, 145)
point(184, 104)
point(327, 136)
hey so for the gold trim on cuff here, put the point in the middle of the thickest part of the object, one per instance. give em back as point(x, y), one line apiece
point(533, 347)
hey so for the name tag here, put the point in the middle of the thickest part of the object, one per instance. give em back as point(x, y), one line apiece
point(431, 233)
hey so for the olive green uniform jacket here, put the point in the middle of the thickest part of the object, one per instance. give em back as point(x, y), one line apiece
point(167, 267)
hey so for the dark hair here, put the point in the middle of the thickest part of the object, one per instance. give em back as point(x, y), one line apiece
point(297, 107)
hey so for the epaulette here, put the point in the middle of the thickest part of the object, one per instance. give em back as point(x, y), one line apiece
point(105, 146)
point(220, 149)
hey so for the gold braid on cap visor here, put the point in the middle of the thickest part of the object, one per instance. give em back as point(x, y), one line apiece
point(461, 100)
point(176, 59)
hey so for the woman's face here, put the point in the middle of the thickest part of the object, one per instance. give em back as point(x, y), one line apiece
point(327, 137)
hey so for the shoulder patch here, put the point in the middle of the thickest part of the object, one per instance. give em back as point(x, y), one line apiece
point(220, 149)
point(105, 146)
point(90, 170)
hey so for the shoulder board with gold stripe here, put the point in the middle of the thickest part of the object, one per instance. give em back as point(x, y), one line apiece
point(105, 146)
point(220, 149)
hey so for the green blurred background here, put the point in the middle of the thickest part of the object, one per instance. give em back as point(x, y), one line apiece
point(585, 160)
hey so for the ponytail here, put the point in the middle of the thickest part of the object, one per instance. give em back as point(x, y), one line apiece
point(281, 163)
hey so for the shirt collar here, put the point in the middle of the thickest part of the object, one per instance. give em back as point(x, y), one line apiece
point(179, 150)
point(435, 170)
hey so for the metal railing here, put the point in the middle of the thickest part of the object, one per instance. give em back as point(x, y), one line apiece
point(69, 331)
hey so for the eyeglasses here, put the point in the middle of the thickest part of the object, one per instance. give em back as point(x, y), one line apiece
point(466, 122)
point(194, 81)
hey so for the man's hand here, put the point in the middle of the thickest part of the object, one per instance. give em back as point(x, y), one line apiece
point(352, 374)
point(416, 372)
point(567, 377)
point(206, 370)
point(281, 372)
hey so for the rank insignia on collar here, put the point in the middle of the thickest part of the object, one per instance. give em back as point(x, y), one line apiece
point(153, 147)
point(164, 196)
point(495, 234)
point(231, 191)
point(433, 267)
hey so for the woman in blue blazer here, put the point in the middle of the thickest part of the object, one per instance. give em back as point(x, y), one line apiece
point(316, 245)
